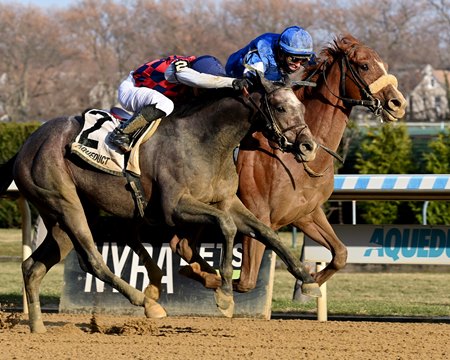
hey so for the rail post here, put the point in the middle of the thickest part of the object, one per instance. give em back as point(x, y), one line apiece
point(322, 310)
point(26, 239)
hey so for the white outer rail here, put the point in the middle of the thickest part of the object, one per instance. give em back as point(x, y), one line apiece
point(26, 232)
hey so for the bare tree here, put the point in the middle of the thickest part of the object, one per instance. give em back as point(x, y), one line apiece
point(31, 50)
point(441, 24)
point(63, 61)
point(100, 33)
point(243, 21)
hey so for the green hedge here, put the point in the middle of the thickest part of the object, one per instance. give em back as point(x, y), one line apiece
point(12, 136)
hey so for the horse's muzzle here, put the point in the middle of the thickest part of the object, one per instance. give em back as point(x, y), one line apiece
point(393, 110)
point(305, 149)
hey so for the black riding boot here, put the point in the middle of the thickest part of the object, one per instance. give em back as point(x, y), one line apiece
point(122, 135)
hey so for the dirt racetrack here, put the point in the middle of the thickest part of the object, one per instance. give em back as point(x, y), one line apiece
point(108, 337)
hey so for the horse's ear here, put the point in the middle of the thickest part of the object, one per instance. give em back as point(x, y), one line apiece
point(287, 80)
point(268, 85)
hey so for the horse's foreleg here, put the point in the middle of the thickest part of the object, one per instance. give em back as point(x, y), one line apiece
point(190, 210)
point(252, 251)
point(249, 225)
point(317, 227)
point(155, 274)
point(252, 254)
point(53, 249)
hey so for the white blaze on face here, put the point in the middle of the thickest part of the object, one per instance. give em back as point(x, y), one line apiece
point(381, 65)
point(383, 81)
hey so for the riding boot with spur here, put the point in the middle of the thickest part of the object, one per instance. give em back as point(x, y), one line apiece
point(122, 135)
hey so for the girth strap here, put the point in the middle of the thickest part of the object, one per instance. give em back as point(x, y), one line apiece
point(138, 192)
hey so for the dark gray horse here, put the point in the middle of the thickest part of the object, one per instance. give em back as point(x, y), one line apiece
point(188, 177)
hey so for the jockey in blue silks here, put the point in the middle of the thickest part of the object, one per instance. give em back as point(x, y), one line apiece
point(273, 54)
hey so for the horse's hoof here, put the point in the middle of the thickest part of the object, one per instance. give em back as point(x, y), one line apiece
point(238, 287)
point(311, 289)
point(299, 297)
point(37, 327)
point(152, 292)
point(212, 281)
point(224, 302)
point(153, 310)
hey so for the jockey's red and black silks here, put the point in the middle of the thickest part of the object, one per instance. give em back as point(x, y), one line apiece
point(151, 75)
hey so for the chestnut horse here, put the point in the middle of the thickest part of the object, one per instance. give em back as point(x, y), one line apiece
point(188, 178)
point(279, 191)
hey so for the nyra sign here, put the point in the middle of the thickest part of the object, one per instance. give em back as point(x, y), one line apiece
point(125, 263)
point(180, 295)
point(388, 244)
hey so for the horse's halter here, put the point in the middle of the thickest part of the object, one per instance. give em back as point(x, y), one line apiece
point(276, 132)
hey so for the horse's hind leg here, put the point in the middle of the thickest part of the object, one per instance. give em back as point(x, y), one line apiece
point(91, 258)
point(198, 268)
point(71, 217)
point(54, 248)
point(249, 225)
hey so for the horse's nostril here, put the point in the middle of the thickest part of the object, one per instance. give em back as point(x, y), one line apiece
point(306, 146)
point(394, 103)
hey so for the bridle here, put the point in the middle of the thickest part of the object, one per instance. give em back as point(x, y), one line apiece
point(272, 128)
point(367, 99)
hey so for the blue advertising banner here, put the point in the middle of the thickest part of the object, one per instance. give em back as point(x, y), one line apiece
point(388, 244)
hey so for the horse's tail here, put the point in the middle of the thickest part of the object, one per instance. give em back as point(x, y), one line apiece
point(6, 174)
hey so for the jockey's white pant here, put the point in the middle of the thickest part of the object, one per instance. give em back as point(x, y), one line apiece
point(134, 98)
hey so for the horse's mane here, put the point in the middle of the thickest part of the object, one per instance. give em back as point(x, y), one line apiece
point(343, 44)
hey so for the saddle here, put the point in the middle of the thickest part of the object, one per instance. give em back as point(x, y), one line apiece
point(92, 146)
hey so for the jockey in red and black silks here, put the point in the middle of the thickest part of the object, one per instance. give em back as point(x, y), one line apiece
point(151, 75)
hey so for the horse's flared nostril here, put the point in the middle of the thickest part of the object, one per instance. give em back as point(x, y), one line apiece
point(396, 107)
point(306, 147)
point(395, 103)
point(307, 150)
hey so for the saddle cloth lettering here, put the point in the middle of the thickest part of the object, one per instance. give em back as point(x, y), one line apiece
point(93, 146)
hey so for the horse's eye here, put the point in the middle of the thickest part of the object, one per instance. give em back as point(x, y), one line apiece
point(364, 67)
point(280, 109)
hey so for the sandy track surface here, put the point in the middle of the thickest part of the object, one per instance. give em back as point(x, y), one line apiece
point(109, 337)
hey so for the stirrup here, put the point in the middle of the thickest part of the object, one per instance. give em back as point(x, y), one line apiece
point(121, 140)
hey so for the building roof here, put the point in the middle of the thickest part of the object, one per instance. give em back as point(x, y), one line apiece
point(442, 76)
point(410, 78)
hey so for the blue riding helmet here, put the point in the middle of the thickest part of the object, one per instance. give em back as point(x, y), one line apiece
point(295, 40)
point(209, 65)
